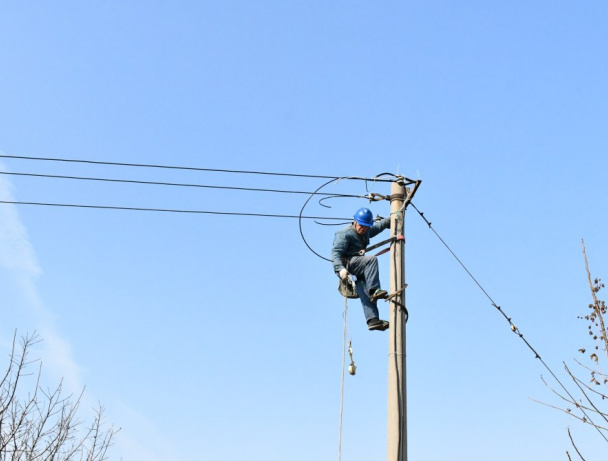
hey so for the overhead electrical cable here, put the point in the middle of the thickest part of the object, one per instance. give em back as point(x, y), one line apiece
point(159, 183)
point(168, 210)
point(370, 197)
point(302, 211)
point(513, 328)
point(174, 167)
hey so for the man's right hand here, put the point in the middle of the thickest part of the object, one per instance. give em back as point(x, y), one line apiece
point(346, 278)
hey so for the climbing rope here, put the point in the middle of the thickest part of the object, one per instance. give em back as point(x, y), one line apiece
point(351, 369)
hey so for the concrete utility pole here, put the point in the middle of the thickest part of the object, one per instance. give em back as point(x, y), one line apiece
point(397, 422)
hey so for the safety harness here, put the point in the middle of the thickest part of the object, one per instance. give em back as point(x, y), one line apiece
point(348, 290)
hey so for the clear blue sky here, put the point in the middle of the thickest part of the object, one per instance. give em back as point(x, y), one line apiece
point(220, 337)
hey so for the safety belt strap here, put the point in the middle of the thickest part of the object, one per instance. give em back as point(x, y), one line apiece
point(386, 250)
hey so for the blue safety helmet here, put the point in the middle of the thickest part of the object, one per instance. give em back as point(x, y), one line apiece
point(364, 217)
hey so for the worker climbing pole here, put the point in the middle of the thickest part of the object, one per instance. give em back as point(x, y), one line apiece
point(350, 257)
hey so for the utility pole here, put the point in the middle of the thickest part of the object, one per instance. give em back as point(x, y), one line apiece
point(397, 422)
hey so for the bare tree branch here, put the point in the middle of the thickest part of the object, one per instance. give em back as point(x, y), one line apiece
point(586, 404)
point(570, 400)
point(577, 382)
point(45, 425)
point(596, 304)
point(574, 445)
point(590, 369)
point(582, 419)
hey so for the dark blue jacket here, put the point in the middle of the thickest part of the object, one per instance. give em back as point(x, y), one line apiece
point(348, 243)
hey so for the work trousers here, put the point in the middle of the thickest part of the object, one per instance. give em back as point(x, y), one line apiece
point(365, 268)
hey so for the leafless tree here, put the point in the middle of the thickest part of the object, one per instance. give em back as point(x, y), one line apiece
point(42, 424)
point(587, 403)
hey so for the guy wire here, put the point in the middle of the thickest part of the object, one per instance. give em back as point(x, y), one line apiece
point(514, 329)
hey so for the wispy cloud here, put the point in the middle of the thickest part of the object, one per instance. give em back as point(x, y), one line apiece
point(18, 260)
point(16, 253)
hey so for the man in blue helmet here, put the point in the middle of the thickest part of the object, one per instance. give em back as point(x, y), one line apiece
point(348, 257)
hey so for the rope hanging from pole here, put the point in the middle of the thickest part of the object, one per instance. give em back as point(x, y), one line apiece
point(342, 391)
point(352, 369)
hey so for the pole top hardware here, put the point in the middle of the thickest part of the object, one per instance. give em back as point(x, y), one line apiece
point(399, 197)
point(374, 197)
point(405, 181)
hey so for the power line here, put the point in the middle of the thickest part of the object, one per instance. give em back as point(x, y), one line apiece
point(160, 183)
point(174, 167)
point(513, 328)
point(300, 221)
point(168, 210)
point(369, 197)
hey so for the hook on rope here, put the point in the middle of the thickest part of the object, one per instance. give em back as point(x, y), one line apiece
point(352, 368)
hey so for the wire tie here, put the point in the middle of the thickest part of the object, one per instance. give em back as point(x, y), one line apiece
point(392, 295)
point(396, 354)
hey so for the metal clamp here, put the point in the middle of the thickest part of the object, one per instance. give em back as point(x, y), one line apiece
point(374, 197)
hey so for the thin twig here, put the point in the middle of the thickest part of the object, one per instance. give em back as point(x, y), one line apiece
point(596, 304)
point(574, 445)
point(583, 419)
